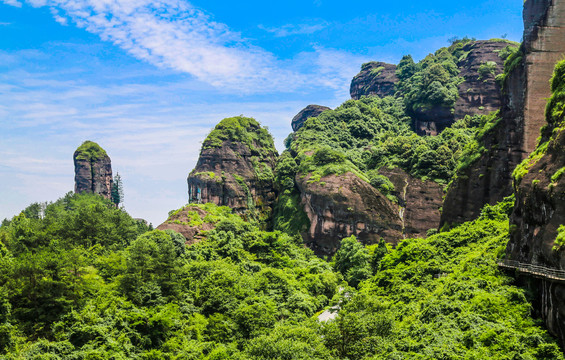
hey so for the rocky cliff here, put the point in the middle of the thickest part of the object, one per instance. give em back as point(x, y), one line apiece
point(538, 221)
point(339, 206)
point(235, 168)
point(526, 86)
point(419, 202)
point(477, 63)
point(478, 92)
point(375, 79)
point(93, 170)
point(306, 113)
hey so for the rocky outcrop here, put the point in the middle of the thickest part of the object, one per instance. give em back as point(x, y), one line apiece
point(419, 202)
point(93, 170)
point(192, 221)
point(375, 79)
point(489, 179)
point(188, 222)
point(235, 168)
point(306, 113)
point(479, 93)
point(339, 206)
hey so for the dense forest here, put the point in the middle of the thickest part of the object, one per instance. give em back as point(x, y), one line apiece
point(83, 280)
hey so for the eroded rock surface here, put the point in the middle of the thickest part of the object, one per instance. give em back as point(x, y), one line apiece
point(538, 213)
point(478, 93)
point(375, 79)
point(306, 113)
point(419, 202)
point(235, 168)
point(489, 179)
point(339, 206)
point(93, 170)
point(184, 223)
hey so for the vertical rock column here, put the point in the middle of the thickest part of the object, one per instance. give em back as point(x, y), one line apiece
point(544, 45)
point(93, 170)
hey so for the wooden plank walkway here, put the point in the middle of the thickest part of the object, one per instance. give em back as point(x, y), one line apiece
point(534, 270)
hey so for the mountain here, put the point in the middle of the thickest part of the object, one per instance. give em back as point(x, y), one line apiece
point(235, 168)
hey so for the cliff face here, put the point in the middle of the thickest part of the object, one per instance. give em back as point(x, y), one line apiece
point(375, 78)
point(419, 202)
point(306, 113)
point(489, 179)
point(538, 213)
point(479, 93)
point(93, 170)
point(235, 168)
point(339, 206)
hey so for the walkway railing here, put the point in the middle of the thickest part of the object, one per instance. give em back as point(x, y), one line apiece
point(535, 270)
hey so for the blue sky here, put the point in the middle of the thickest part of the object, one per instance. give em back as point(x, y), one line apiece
point(147, 80)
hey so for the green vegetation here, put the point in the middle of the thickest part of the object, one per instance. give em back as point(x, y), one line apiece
point(244, 130)
point(523, 168)
point(91, 151)
point(560, 239)
point(513, 57)
point(558, 174)
point(117, 193)
point(365, 135)
point(433, 81)
point(196, 215)
point(556, 103)
point(443, 298)
point(487, 69)
point(82, 281)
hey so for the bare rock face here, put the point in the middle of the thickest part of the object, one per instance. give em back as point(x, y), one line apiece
point(306, 113)
point(479, 93)
point(375, 79)
point(419, 202)
point(339, 206)
point(93, 170)
point(489, 179)
point(235, 168)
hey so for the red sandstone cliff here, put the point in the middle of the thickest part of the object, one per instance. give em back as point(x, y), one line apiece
point(235, 168)
point(489, 179)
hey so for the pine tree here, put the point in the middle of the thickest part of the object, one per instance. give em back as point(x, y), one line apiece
point(117, 190)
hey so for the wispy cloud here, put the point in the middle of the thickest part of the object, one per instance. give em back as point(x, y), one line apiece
point(294, 29)
point(176, 35)
point(173, 34)
point(13, 3)
point(5, 23)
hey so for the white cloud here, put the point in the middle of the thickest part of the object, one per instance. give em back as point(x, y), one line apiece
point(174, 34)
point(13, 3)
point(294, 29)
